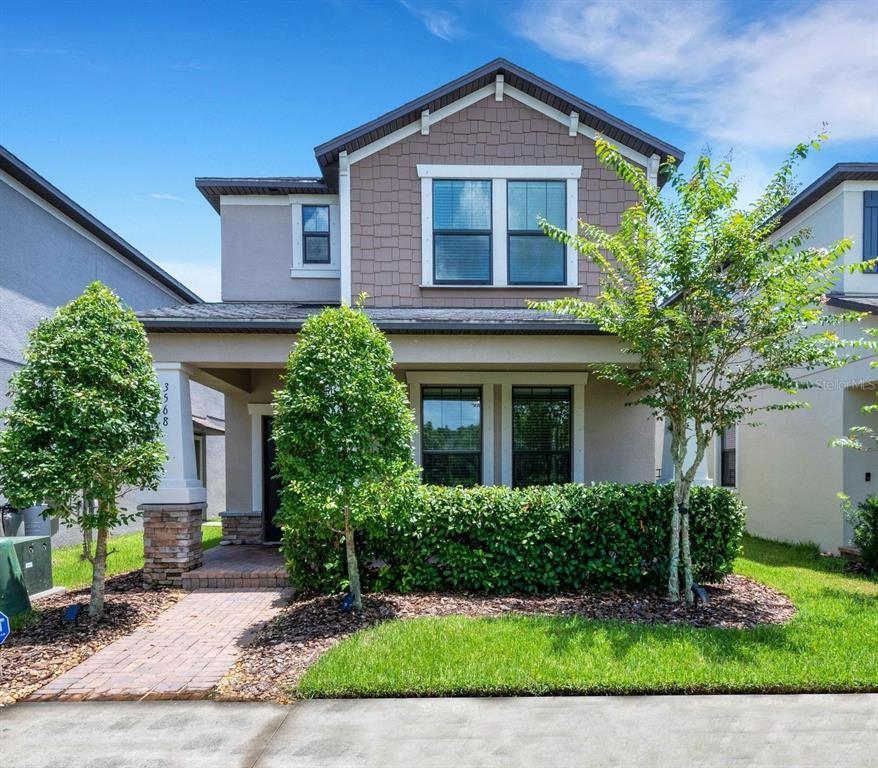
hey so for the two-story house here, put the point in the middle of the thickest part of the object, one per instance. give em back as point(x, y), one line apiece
point(51, 248)
point(431, 211)
point(786, 471)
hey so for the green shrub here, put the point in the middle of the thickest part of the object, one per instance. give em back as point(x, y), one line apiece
point(540, 539)
point(865, 522)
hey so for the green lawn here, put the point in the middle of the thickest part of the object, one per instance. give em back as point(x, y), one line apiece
point(69, 570)
point(831, 644)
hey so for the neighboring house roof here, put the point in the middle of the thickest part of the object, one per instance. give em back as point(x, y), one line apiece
point(288, 317)
point(826, 183)
point(856, 303)
point(327, 154)
point(29, 178)
point(212, 188)
point(205, 425)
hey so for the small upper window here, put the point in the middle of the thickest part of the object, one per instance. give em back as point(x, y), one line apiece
point(461, 232)
point(534, 258)
point(728, 457)
point(315, 234)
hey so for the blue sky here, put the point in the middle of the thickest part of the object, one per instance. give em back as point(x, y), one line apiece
point(121, 105)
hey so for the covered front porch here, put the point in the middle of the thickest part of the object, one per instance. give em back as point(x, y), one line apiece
point(510, 408)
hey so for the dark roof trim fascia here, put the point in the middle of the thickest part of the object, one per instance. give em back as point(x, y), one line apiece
point(29, 178)
point(327, 153)
point(826, 183)
point(214, 187)
point(178, 325)
point(850, 302)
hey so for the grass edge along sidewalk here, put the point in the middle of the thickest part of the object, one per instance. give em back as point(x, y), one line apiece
point(830, 645)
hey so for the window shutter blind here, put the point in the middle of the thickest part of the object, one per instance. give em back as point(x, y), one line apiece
point(870, 227)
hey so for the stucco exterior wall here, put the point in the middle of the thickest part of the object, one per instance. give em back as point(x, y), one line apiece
point(386, 208)
point(620, 444)
point(619, 440)
point(44, 263)
point(837, 215)
point(257, 256)
point(789, 476)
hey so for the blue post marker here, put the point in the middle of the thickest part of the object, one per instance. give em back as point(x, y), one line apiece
point(4, 628)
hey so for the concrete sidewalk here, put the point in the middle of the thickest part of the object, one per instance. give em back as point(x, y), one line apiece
point(722, 731)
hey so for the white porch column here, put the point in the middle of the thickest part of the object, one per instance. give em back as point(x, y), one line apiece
point(667, 476)
point(180, 483)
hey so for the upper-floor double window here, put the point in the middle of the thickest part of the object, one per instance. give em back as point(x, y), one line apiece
point(485, 231)
point(462, 230)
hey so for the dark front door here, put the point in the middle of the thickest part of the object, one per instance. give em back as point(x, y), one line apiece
point(270, 484)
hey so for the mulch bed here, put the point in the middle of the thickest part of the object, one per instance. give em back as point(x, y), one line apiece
point(33, 656)
point(282, 650)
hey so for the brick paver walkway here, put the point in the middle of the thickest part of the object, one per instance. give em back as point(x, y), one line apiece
point(184, 653)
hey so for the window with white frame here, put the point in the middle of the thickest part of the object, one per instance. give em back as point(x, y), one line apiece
point(461, 231)
point(315, 234)
point(534, 258)
point(480, 225)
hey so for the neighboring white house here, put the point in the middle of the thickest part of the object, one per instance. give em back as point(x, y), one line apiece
point(787, 473)
point(50, 250)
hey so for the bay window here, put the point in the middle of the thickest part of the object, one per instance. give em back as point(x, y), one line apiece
point(534, 258)
point(451, 435)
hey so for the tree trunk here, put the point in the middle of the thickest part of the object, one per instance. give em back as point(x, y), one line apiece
point(674, 566)
point(353, 569)
point(99, 570)
point(687, 553)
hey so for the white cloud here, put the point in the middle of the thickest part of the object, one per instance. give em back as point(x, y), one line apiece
point(201, 277)
point(767, 83)
point(439, 22)
point(166, 196)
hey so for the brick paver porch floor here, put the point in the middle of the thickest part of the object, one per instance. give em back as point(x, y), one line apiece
point(184, 653)
point(239, 565)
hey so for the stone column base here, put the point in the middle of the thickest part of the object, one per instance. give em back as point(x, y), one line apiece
point(242, 527)
point(171, 541)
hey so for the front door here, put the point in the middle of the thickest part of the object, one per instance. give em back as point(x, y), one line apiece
point(270, 484)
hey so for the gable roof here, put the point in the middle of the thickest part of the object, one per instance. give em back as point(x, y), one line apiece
point(327, 154)
point(826, 183)
point(29, 178)
point(603, 122)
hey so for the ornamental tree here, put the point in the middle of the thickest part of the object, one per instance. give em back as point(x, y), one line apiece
point(343, 428)
point(710, 304)
point(82, 428)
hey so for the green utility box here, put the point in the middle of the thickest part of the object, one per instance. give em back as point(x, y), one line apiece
point(13, 593)
point(35, 558)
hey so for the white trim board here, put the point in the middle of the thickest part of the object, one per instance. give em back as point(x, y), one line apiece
point(499, 91)
point(412, 128)
point(505, 172)
point(499, 175)
point(576, 380)
point(82, 232)
point(299, 267)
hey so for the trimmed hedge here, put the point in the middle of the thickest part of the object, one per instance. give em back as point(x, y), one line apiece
point(540, 539)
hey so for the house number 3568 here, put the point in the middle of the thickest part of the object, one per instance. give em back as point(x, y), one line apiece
point(165, 399)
